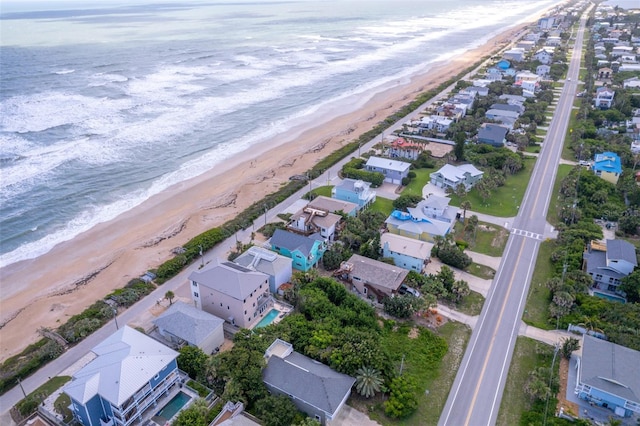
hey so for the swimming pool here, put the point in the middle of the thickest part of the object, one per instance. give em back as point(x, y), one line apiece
point(268, 319)
point(173, 406)
point(610, 297)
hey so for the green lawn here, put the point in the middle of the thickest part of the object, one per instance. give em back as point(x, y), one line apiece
point(383, 205)
point(31, 402)
point(434, 379)
point(470, 305)
point(321, 190)
point(534, 149)
point(415, 186)
point(528, 355)
point(552, 213)
point(481, 271)
point(567, 152)
point(490, 239)
point(536, 311)
point(504, 201)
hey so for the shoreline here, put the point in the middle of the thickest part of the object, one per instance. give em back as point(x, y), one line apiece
point(77, 272)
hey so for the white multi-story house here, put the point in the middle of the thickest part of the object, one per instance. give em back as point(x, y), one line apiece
point(232, 292)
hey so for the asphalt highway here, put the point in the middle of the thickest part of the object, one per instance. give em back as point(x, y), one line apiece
point(477, 390)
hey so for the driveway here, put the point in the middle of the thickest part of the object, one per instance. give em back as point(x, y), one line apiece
point(349, 416)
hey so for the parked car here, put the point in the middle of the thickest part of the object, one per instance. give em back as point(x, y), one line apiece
point(404, 289)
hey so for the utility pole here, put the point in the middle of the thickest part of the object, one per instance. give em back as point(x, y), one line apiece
point(115, 317)
point(21, 388)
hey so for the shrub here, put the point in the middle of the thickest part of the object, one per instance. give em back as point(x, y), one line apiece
point(403, 401)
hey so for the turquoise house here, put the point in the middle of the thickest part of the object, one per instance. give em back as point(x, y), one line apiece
point(305, 252)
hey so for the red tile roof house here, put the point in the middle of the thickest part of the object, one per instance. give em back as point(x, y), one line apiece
point(403, 148)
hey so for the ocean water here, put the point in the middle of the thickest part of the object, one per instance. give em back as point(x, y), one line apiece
point(103, 106)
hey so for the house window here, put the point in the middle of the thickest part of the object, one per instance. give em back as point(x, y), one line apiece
point(254, 304)
point(365, 290)
point(227, 307)
point(245, 312)
point(318, 418)
point(195, 294)
point(156, 377)
point(193, 283)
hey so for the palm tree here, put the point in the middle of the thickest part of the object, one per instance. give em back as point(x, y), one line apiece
point(169, 295)
point(465, 205)
point(368, 381)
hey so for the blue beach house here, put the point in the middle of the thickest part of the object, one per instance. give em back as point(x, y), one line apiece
point(430, 218)
point(607, 166)
point(123, 384)
point(608, 376)
point(354, 191)
point(305, 252)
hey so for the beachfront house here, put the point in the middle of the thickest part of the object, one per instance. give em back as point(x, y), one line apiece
point(607, 165)
point(334, 205)
point(606, 376)
point(407, 253)
point(515, 54)
point(128, 381)
point(355, 191)
point(322, 215)
point(604, 98)
point(402, 148)
point(492, 134)
point(313, 387)
point(431, 218)
point(227, 290)
point(608, 264)
point(183, 324)
point(310, 220)
point(304, 251)
point(372, 278)
point(394, 171)
point(278, 268)
point(450, 176)
point(631, 83)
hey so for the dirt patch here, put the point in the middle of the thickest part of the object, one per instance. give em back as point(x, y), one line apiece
point(568, 407)
point(414, 333)
point(430, 319)
point(439, 150)
point(500, 239)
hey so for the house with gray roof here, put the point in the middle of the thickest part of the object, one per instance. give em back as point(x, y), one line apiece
point(606, 376)
point(393, 170)
point(313, 387)
point(407, 253)
point(492, 134)
point(355, 191)
point(304, 251)
point(373, 278)
point(124, 382)
point(321, 215)
point(450, 176)
point(608, 264)
point(430, 218)
point(230, 291)
point(277, 267)
point(183, 324)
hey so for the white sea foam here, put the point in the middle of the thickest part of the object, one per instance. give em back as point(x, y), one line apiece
point(63, 72)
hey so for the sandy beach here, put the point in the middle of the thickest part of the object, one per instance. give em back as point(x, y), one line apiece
point(45, 291)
